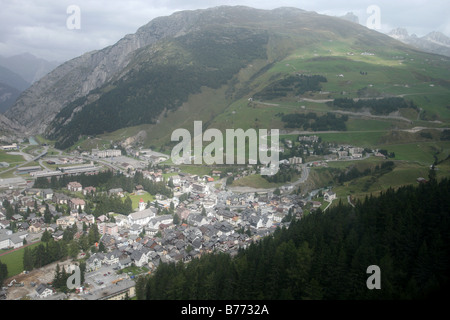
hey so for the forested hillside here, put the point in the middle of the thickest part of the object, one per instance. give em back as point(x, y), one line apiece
point(326, 255)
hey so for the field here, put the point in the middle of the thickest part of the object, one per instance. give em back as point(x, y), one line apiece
point(10, 158)
point(136, 198)
point(14, 260)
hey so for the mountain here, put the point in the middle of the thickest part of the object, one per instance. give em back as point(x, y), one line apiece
point(350, 16)
point(8, 95)
point(17, 73)
point(27, 66)
point(201, 64)
point(434, 42)
point(11, 85)
point(9, 130)
point(12, 79)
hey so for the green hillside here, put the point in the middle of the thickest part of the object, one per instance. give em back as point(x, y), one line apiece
point(283, 69)
point(210, 72)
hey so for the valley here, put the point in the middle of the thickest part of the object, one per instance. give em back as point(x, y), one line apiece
point(356, 114)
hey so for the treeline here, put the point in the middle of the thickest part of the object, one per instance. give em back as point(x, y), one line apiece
point(101, 204)
point(354, 173)
point(283, 175)
point(105, 181)
point(3, 272)
point(326, 255)
point(377, 106)
point(297, 85)
point(61, 276)
point(49, 250)
point(311, 121)
point(163, 81)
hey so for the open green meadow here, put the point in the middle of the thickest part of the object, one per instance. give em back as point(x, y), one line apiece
point(14, 260)
point(136, 198)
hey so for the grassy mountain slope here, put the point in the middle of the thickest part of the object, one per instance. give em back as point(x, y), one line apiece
point(235, 53)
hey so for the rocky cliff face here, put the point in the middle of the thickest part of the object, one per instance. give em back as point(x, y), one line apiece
point(108, 85)
point(38, 105)
point(9, 130)
point(434, 42)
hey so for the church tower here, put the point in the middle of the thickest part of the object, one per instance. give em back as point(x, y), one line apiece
point(142, 205)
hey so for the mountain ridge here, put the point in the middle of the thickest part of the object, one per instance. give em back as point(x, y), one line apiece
point(104, 77)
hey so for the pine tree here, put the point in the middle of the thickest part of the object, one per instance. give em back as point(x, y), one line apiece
point(3, 273)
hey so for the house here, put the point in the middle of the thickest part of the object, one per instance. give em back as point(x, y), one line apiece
point(139, 258)
point(74, 186)
point(112, 257)
point(316, 204)
point(47, 194)
point(42, 291)
point(89, 190)
point(199, 188)
point(16, 217)
point(94, 262)
point(124, 261)
point(65, 221)
point(329, 196)
point(89, 219)
point(155, 222)
point(135, 229)
point(197, 220)
point(4, 224)
point(116, 192)
point(58, 235)
point(108, 228)
point(182, 213)
point(76, 203)
point(60, 198)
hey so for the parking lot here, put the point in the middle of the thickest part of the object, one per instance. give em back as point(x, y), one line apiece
point(103, 277)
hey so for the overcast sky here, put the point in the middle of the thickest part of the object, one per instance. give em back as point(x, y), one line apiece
point(56, 30)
